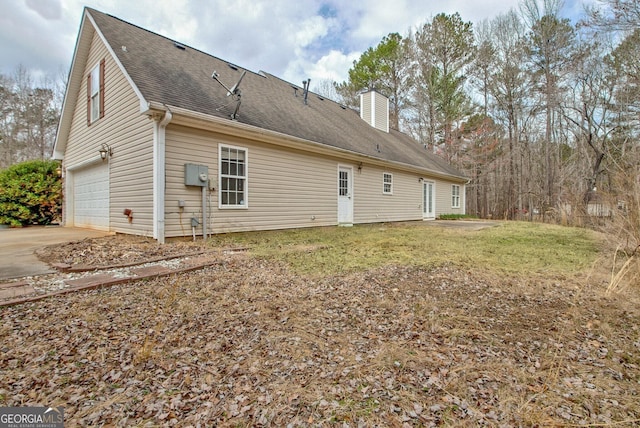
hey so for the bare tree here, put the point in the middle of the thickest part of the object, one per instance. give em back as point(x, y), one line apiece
point(622, 18)
point(614, 15)
point(551, 42)
point(510, 87)
point(29, 117)
point(326, 88)
point(589, 110)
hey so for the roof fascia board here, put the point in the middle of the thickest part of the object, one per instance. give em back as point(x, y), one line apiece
point(203, 121)
point(74, 79)
point(76, 76)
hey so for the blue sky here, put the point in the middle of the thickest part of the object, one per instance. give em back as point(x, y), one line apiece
point(292, 39)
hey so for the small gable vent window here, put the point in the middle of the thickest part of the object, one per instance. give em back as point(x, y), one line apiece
point(95, 93)
point(387, 183)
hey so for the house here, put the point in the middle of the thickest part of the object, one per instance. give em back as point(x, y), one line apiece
point(162, 140)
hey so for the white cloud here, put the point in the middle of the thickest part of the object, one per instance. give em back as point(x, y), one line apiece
point(309, 30)
point(25, 38)
point(47, 9)
point(293, 39)
point(386, 17)
point(334, 66)
point(175, 19)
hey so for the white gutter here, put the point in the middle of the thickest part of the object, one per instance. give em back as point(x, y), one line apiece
point(159, 165)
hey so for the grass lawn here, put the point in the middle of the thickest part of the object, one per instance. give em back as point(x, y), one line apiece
point(510, 248)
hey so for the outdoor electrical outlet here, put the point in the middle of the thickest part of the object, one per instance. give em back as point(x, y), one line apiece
point(181, 204)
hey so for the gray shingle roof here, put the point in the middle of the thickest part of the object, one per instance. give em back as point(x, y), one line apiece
point(181, 77)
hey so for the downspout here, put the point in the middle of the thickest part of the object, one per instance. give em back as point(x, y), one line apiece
point(159, 167)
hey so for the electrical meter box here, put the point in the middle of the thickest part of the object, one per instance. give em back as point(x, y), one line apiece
point(196, 175)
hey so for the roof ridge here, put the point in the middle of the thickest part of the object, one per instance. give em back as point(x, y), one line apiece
point(324, 97)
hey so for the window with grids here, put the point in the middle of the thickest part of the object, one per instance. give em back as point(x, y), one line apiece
point(387, 183)
point(455, 196)
point(233, 177)
point(95, 93)
point(343, 183)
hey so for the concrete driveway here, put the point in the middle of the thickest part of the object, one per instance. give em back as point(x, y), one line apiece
point(17, 246)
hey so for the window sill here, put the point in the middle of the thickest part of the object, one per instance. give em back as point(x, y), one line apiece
point(233, 207)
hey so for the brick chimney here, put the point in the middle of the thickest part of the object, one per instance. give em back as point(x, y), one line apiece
point(374, 109)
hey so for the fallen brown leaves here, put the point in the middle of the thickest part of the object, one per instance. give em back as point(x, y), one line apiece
point(248, 343)
point(115, 249)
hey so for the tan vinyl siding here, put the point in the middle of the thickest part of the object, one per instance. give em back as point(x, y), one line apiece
point(186, 146)
point(365, 103)
point(375, 110)
point(286, 188)
point(371, 205)
point(382, 112)
point(130, 136)
point(443, 199)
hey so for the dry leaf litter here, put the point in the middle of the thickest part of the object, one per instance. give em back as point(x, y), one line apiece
point(246, 342)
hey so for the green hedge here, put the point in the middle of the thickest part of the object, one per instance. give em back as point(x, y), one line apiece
point(30, 193)
point(456, 216)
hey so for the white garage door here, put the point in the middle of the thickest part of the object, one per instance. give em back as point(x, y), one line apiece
point(91, 197)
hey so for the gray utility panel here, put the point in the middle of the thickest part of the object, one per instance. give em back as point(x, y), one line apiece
point(195, 175)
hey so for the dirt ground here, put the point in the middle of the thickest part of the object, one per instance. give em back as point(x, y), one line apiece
point(249, 343)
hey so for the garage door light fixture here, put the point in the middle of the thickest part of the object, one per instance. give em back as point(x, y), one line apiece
point(105, 151)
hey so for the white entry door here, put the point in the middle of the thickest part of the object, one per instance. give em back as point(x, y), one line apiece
point(428, 199)
point(345, 195)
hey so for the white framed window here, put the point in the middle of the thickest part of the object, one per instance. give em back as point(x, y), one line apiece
point(232, 171)
point(95, 93)
point(455, 196)
point(387, 183)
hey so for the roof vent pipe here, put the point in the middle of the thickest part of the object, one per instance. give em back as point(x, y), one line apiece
point(305, 85)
